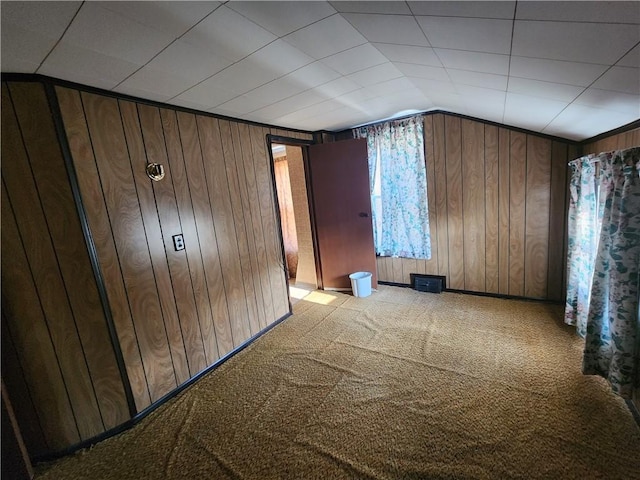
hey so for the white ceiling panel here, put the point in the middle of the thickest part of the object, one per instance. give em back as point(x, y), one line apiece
point(555, 71)
point(535, 65)
point(220, 31)
point(394, 7)
point(409, 54)
point(422, 71)
point(539, 111)
point(398, 29)
point(326, 37)
point(479, 9)
point(474, 61)
point(474, 34)
point(607, 100)
point(478, 79)
point(620, 79)
point(578, 42)
point(377, 74)
point(580, 121)
point(354, 59)
point(115, 35)
point(631, 59)
point(77, 64)
point(281, 18)
point(537, 88)
point(173, 18)
point(578, 11)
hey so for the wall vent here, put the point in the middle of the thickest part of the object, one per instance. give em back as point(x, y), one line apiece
point(428, 283)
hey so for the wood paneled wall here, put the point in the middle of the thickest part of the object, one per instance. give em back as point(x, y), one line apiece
point(174, 313)
point(496, 210)
point(58, 362)
point(619, 141)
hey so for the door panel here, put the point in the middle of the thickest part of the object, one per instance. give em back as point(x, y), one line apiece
point(339, 178)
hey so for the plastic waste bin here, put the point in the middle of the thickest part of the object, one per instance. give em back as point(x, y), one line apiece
point(361, 284)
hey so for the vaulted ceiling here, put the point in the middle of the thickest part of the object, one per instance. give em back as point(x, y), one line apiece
point(570, 69)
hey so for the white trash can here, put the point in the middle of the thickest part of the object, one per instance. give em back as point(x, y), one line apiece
point(361, 284)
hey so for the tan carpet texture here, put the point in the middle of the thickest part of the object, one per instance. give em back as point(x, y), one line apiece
point(398, 385)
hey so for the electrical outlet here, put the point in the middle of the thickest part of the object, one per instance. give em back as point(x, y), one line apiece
point(178, 242)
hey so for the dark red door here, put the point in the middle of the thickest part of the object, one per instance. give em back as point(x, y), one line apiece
point(341, 206)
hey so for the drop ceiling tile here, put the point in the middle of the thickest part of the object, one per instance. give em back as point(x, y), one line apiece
point(474, 34)
point(631, 59)
point(164, 84)
point(434, 88)
point(604, 12)
point(282, 18)
point(81, 65)
point(464, 9)
point(174, 18)
point(377, 74)
point(23, 56)
point(577, 42)
point(398, 29)
point(409, 54)
point(220, 32)
point(393, 86)
point(608, 100)
point(144, 93)
point(326, 37)
point(354, 59)
point(313, 74)
point(571, 73)
point(579, 122)
point(478, 79)
point(112, 34)
point(310, 111)
point(206, 95)
point(243, 76)
point(474, 61)
point(531, 112)
point(188, 61)
point(280, 57)
point(620, 79)
point(537, 88)
point(337, 87)
point(263, 96)
point(288, 105)
point(479, 94)
point(422, 71)
point(399, 8)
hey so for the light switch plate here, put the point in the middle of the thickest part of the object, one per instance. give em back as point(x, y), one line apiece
point(178, 242)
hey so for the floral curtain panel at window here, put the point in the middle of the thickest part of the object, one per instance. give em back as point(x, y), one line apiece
point(398, 184)
point(584, 228)
point(612, 343)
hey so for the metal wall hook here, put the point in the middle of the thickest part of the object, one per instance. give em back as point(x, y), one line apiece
point(155, 171)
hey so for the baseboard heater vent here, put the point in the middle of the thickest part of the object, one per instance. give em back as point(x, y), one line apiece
point(428, 283)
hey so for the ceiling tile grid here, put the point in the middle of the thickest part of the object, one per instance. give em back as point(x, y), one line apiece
point(565, 68)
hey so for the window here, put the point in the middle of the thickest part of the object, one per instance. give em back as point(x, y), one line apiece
point(398, 185)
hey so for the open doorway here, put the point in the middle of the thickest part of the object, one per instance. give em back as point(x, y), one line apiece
point(293, 202)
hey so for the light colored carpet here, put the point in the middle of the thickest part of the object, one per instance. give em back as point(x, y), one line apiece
point(397, 385)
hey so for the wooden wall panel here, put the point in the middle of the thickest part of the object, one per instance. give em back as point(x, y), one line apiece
point(492, 214)
point(473, 205)
point(453, 167)
point(504, 195)
point(77, 133)
point(497, 210)
point(206, 267)
point(537, 216)
point(620, 141)
point(517, 211)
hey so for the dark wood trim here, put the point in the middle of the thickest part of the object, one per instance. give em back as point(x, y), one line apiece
point(161, 401)
point(634, 411)
point(34, 77)
point(475, 119)
point(90, 244)
point(625, 128)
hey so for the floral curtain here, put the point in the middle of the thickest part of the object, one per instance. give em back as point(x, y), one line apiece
point(398, 181)
point(583, 225)
point(612, 343)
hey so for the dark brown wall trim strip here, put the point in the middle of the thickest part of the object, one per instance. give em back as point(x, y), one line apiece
point(625, 128)
point(91, 248)
point(51, 81)
point(140, 416)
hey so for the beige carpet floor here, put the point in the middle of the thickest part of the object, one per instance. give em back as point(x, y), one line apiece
point(398, 385)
